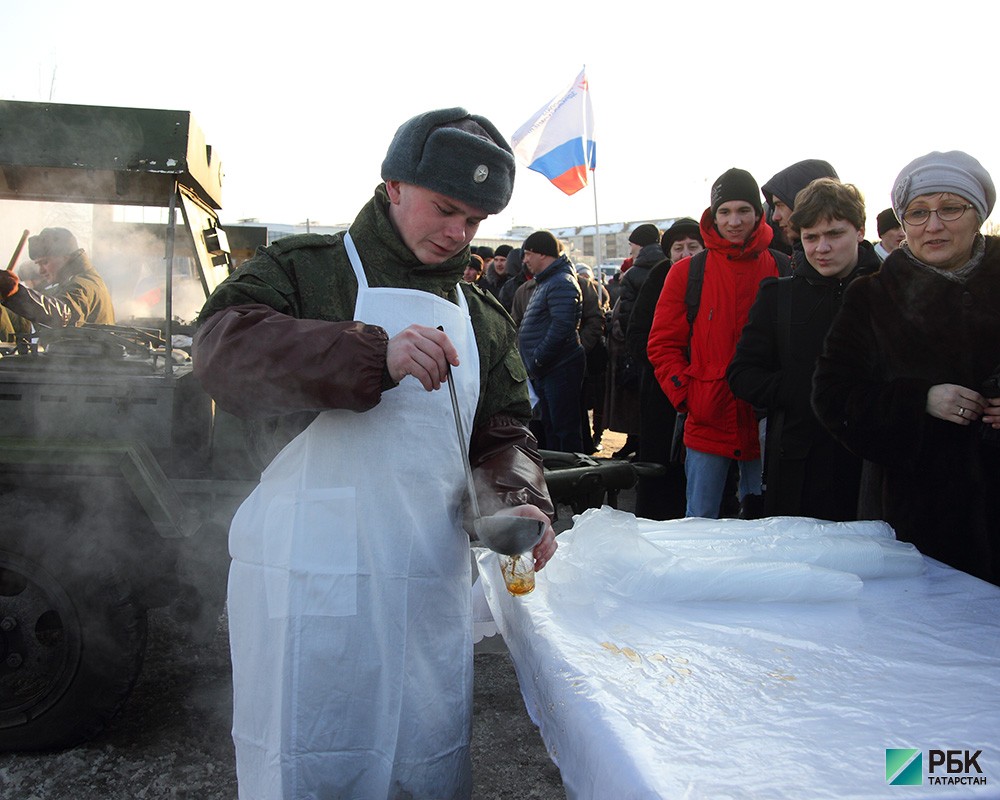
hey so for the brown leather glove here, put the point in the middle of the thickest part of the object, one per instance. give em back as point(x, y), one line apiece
point(504, 457)
point(8, 283)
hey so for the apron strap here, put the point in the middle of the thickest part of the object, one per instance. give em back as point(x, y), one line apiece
point(462, 302)
point(359, 272)
point(352, 254)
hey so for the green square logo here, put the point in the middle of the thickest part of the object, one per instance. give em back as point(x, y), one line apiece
point(904, 767)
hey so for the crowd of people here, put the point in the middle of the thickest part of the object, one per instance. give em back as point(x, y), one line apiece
point(776, 362)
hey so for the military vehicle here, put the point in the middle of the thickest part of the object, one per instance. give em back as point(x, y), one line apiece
point(115, 486)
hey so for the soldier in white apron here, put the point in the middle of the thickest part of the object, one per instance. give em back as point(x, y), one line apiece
point(349, 591)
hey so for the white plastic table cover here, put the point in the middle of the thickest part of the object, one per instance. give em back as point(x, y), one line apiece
point(716, 659)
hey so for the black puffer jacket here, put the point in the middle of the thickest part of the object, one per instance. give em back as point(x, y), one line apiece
point(549, 332)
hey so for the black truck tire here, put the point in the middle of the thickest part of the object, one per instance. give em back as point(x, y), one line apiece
point(72, 638)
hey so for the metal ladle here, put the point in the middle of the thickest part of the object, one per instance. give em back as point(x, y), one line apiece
point(507, 535)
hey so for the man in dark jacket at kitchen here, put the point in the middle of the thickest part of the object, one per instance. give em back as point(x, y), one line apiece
point(75, 292)
point(549, 341)
point(807, 472)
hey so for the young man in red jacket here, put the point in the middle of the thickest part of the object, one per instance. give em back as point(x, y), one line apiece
point(690, 359)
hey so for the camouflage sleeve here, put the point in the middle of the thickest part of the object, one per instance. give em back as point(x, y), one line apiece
point(259, 281)
point(503, 378)
point(503, 452)
point(48, 309)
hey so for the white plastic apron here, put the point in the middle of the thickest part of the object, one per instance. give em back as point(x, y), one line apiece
point(349, 602)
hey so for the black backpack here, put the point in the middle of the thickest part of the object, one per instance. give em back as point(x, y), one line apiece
point(696, 278)
point(692, 299)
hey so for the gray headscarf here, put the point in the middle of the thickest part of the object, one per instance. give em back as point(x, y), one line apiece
point(955, 172)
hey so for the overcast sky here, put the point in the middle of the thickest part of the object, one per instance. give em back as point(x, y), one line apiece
point(301, 99)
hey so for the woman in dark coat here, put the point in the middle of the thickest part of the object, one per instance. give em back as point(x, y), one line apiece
point(806, 471)
point(908, 374)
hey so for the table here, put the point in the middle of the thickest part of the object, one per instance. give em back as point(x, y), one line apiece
point(651, 697)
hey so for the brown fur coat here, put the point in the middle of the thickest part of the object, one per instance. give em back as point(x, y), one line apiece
point(900, 332)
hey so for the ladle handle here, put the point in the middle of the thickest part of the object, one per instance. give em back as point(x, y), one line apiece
point(17, 251)
point(474, 502)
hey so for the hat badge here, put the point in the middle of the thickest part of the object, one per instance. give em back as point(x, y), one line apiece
point(481, 174)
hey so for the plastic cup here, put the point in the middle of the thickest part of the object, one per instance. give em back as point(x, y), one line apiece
point(518, 573)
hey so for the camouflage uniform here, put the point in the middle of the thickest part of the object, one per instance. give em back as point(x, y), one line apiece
point(11, 324)
point(248, 361)
point(79, 296)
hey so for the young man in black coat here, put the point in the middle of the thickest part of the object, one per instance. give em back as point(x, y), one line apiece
point(806, 473)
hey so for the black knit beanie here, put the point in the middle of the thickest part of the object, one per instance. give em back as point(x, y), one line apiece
point(542, 242)
point(683, 228)
point(647, 233)
point(886, 221)
point(503, 250)
point(736, 184)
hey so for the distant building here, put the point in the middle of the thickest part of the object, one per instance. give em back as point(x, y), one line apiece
point(582, 244)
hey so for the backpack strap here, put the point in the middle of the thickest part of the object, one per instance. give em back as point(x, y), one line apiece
point(696, 279)
point(692, 293)
point(782, 261)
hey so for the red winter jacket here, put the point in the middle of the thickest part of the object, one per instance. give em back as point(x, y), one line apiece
point(717, 422)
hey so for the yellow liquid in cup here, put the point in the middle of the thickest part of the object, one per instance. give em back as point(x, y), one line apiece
point(518, 574)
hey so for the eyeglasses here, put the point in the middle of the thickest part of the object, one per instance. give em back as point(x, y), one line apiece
point(949, 213)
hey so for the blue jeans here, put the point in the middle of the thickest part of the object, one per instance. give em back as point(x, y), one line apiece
point(706, 481)
point(558, 393)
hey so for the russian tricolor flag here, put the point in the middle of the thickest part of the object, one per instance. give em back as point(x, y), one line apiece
point(558, 140)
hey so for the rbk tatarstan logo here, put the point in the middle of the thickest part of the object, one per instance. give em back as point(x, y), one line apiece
point(904, 767)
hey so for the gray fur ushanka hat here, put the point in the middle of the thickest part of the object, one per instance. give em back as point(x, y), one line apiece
point(52, 242)
point(460, 155)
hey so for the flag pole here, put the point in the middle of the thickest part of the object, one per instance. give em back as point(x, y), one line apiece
point(597, 225)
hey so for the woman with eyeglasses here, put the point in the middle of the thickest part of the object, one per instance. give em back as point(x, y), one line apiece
point(910, 370)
